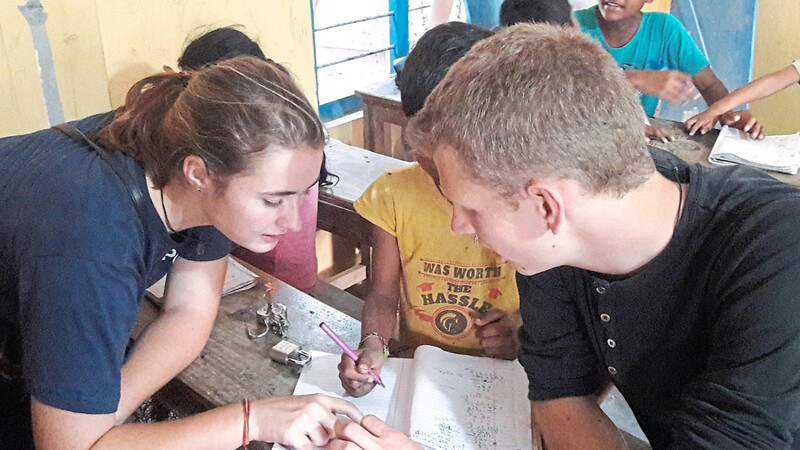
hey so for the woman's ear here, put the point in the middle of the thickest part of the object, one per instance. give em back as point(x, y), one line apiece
point(196, 173)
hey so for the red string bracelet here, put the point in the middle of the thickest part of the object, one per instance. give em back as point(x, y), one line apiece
point(246, 430)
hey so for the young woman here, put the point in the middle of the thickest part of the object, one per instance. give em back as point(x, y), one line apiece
point(191, 161)
point(294, 259)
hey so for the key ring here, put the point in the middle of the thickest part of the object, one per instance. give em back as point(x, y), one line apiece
point(272, 315)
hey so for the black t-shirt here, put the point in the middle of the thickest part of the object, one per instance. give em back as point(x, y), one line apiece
point(704, 341)
point(75, 259)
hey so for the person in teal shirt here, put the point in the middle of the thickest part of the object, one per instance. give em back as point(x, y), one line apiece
point(655, 50)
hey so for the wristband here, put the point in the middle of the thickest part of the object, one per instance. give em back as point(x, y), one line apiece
point(246, 429)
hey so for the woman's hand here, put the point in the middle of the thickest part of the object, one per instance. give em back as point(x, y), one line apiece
point(302, 421)
point(355, 378)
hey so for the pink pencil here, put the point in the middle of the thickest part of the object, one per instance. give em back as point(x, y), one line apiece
point(348, 351)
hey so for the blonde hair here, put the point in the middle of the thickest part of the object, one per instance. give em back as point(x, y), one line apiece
point(533, 101)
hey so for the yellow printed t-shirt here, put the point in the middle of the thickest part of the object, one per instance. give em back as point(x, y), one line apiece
point(447, 279)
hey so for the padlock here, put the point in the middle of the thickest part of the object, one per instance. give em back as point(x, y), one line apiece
point(288, 353)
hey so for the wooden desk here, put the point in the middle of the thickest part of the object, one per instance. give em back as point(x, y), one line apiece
point(695, 149)
point(232, 366)
point(381, 107)
point(357, 168)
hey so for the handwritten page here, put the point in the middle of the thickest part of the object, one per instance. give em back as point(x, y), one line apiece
point(321, 376)
point(465, 402)
point(778, 153)
point(442, 400)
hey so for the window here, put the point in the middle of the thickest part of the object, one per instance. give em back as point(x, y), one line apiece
point(356, 43)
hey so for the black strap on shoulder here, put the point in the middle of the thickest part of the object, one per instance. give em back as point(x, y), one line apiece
point(135, 192)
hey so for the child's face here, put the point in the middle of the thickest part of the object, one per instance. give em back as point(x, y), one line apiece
point(613, 10)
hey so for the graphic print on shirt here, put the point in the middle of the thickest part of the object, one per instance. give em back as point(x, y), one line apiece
point(454, 296)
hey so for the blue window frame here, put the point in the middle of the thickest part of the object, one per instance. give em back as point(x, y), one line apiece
point(354, 48)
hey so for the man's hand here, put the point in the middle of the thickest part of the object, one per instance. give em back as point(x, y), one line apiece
point(371, 434)
point(355, 378)
point(497, 331)
point(671, 86)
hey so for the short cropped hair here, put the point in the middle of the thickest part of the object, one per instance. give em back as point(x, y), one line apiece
point(431, 57)
point(536, 101)
point(557, 12)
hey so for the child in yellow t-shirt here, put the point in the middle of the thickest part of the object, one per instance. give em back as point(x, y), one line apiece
point(750, 92)
point(446, 289)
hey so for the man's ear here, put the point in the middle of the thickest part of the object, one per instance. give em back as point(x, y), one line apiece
point(196, 173)
point(548, 203)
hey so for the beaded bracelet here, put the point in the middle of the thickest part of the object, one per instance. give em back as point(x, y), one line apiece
point(376, 335)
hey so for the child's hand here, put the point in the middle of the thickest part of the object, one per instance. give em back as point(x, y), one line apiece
point(743, 120)
point(702, 122)
point(658, 134)
point(355, 378)
point(497, 331)
point(669, 85)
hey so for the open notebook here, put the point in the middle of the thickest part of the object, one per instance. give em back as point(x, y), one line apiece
point(778, 153)
point(442, 400)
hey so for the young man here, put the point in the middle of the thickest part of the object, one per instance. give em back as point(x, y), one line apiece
point(678, 284)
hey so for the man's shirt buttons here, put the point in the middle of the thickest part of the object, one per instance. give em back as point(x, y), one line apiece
point(600, 290)
point(612, 370)
point(611, 343)
point(605, 317)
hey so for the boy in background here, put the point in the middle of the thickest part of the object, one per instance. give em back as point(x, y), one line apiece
point(755, 90)
point(447, 289)
point(655, 50)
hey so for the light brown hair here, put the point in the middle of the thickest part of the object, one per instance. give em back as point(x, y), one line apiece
point(534, 101)
point(224, 114)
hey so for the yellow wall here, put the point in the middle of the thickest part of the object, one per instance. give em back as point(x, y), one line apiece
point(777, 45)
point(100, 47)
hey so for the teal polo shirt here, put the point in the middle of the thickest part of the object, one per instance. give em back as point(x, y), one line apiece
point(660, 43)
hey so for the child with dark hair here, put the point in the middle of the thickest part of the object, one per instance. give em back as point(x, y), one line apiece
point(557, 12)
point(294, 258)
point(449, 291)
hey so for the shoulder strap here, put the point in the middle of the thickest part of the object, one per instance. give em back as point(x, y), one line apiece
point(135, 192)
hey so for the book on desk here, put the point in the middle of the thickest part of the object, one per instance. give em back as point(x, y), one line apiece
point(442, 400)
point(775, 153)
point(238, 278)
